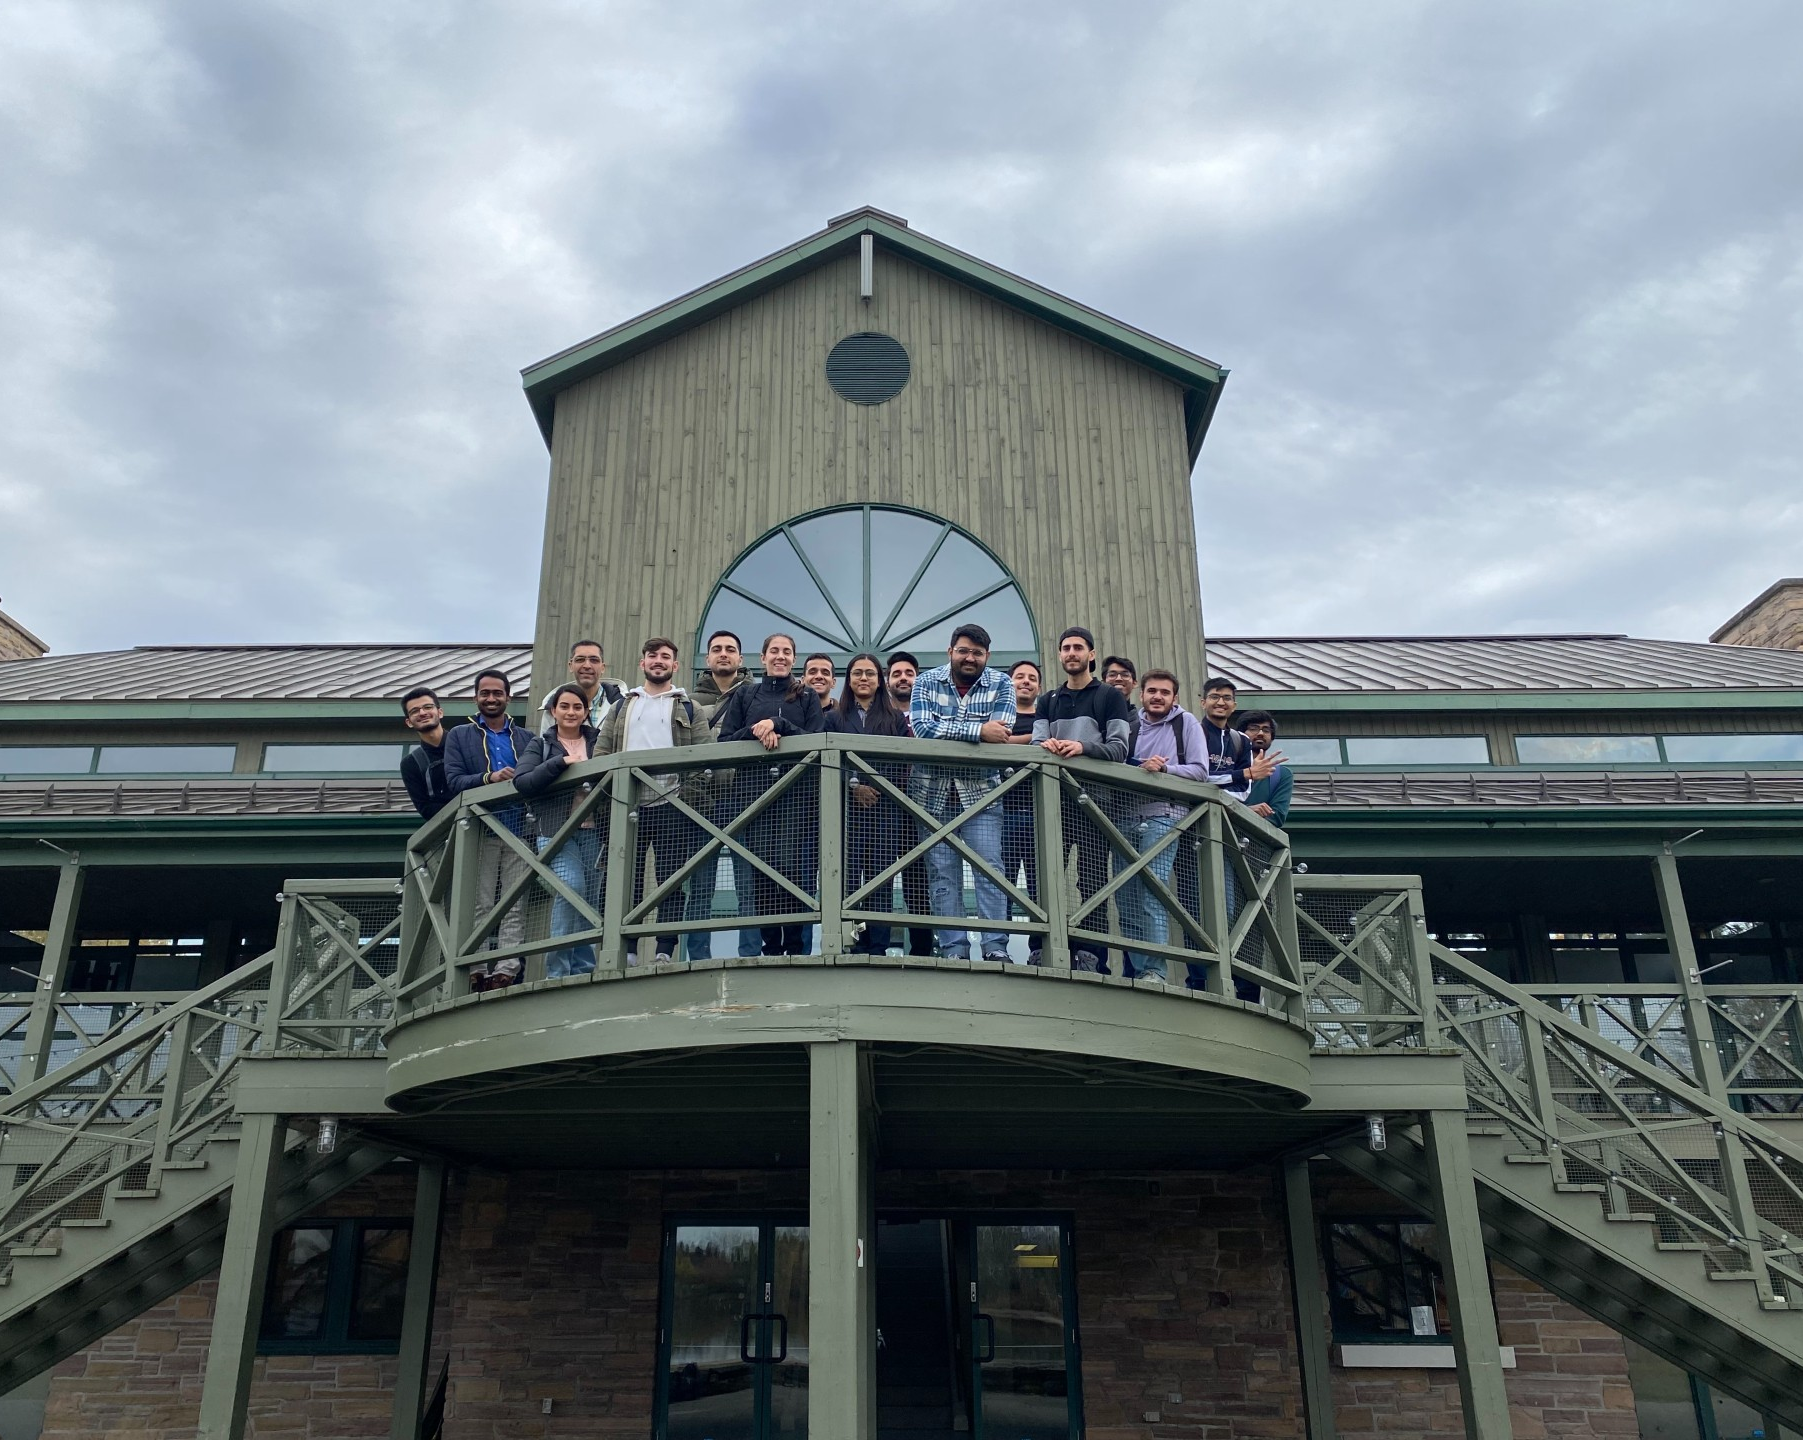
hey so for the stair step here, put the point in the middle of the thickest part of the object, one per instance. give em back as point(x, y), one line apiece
point(1579, 1187)
point(99, 1223)
point(149, 1194)
point(1731, 1278)
point(183, 1165)
point(32, 1252)
point(1526, 1159)
point(1684, 1245)
point(1634, 1217)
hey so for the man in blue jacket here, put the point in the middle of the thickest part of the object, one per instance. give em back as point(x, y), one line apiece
point(485, 752)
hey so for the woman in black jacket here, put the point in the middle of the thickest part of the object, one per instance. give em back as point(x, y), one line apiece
point(570, 740)
point(874, 823)
point(783, 836)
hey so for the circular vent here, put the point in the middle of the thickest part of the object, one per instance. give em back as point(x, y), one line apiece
point(867, 368)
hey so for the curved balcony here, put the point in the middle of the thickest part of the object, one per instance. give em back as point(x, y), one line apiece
point(819, 847)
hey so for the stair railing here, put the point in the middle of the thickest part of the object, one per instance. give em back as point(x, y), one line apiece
point(155, 1095)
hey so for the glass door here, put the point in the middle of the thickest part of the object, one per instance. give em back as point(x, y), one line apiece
point(733, 1343)
point(1023, 1335)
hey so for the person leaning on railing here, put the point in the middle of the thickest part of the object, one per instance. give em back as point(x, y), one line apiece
point(778, 705)
point(963, 700)
point(1170, 743)
point(486, 752)
point(875, 826)
point(577, 862)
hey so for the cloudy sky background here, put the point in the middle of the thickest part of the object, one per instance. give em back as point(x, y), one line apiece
point(1512, 294)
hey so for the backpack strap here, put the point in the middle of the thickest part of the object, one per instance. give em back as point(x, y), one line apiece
point(1182, 751)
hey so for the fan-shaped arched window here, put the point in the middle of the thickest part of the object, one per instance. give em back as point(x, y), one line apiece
point(870, 577)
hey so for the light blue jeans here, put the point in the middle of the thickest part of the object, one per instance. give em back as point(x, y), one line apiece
point(1143, 915)
point(945, 880)
point(700, 943)
point(577, 865)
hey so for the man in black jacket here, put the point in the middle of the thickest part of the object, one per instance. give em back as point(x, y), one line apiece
point(422, 767)
point(486, 753)
point(1083, 717)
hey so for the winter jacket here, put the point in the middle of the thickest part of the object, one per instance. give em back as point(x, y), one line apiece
point(469, 757)
point(688, 726)
point(1229, 753)
point(422, 772)
point(540, 767)
point(709, 697)
point(1097, 716)
point(769, 699)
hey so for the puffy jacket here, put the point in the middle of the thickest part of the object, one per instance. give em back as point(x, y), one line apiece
point(708, 695)
point(769, 699)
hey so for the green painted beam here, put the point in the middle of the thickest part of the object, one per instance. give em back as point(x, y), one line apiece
point(1355, 1084)
point(1289, 704)
point(53, 971)
point(422, 1288)
point(1308, 1293)
point(1476, 1345)
point(243, 1272)
point(841, 1244)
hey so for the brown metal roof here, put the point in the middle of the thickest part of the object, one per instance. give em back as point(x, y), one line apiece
point(261, 672)
point(201, 799)
point(1401, 665)
point(1480, 663)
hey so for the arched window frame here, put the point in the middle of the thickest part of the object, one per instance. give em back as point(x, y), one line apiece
point(1000, 658)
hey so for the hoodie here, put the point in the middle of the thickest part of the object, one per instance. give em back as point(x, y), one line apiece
point(708, 695)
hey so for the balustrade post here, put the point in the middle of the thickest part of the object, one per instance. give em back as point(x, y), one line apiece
point(1283, 921)
point(1212, 862)
point(1540, 1092)
point(1048, 839)
point(53, 972)
point(466, 871)
point(830, 879)
point(622, 857)
point(175, 1084)
point(281, 970)
point(1421, 961)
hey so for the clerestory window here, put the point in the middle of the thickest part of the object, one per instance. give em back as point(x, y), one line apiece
point(870, 577)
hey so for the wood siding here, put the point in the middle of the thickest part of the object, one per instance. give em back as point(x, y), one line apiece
point(1068, 461)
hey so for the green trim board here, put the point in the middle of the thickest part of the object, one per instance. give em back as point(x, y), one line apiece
point(1487, 702)
point(1200, 378)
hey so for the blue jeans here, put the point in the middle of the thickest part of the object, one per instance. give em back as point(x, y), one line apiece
point(1143, 915)
point(744, 889)
point(700, 943)
point(577, 866)
point(945, 880)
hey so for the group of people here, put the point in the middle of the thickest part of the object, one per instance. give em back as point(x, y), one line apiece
point(1091, 713)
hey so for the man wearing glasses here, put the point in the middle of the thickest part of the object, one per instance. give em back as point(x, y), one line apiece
point(963, 700)
point(422, 768)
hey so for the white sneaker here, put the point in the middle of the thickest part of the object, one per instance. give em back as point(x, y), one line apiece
point(663, 958)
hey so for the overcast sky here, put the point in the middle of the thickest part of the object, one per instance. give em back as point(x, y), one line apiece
point(1512, 294)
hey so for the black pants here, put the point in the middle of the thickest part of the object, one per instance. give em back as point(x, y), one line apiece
point(873, 839)
point(675, 838)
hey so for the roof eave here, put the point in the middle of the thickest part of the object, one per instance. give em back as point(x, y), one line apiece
point(1200, 378)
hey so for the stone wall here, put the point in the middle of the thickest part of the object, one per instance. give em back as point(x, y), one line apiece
point(1774, 619)
point(549, 1290)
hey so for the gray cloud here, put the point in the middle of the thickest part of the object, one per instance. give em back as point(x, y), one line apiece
point(1513, 297)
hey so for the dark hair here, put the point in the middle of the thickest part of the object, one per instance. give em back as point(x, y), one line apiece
point(795, 682)
point(819, 655)
point(976, 634)
point(1081, 632)
point(415, 693)
point(1164, 675)
point(1018, 663)
point(1256, 717)
point(1219, 682)
point(1123, 662)
point(900, 655)
point(500, 675)
point(658, 642)
point(562, 690)
point(882, 718)
point(738, 644)
point(580, 643)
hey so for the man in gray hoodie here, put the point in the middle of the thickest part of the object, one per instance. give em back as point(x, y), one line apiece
point(1170, 742)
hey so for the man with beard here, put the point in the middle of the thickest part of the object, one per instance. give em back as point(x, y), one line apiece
point(963, 700)
point(587, 672)
point(818, 675)
point(485, 753)
point(724, 674)
point(422, 768)
point(1084, 717)
point(901, 672)
point(655, 715)
point(1170, 743)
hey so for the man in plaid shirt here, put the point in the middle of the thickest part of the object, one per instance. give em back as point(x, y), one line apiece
point(963, 700)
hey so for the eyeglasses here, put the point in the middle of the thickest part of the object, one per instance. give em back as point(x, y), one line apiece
point(963, 654)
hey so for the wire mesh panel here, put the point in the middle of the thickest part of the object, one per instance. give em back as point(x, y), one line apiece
point(338, 973)
point(1360, 953)
point(1759, 1035)
point(14, 1017)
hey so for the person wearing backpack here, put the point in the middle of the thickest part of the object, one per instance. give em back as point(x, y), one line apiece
point(1170, 742)
point(656, 715)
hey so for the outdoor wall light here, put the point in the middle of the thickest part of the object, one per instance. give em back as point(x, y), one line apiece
point(1376, 1136)
point(327, 1140)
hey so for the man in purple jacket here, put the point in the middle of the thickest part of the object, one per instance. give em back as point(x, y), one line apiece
point(1170, 742)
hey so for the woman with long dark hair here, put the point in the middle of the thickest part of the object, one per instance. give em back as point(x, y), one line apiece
point(569, 741)
point(874, 822)
point(783, 836)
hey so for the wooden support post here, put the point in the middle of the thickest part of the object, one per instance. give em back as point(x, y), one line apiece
point(841, 1245)
point(622, 864)
point(243, 1270)
point(53, 974)
point(1216, 917)
point(1306, 1284)
point(832, 835)
point(465, 862)
point(422, 1284)
point(1477, 1349)
point(1054, 889)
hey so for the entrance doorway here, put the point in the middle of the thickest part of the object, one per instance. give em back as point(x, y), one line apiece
point(976, 1330)
point(733, 1342)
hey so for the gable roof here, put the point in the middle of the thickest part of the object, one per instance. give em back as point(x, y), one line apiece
point(1201, 379)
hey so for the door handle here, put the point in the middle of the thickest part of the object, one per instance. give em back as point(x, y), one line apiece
point(781, 1346)
point(745, 1339)
point(988, 1323)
